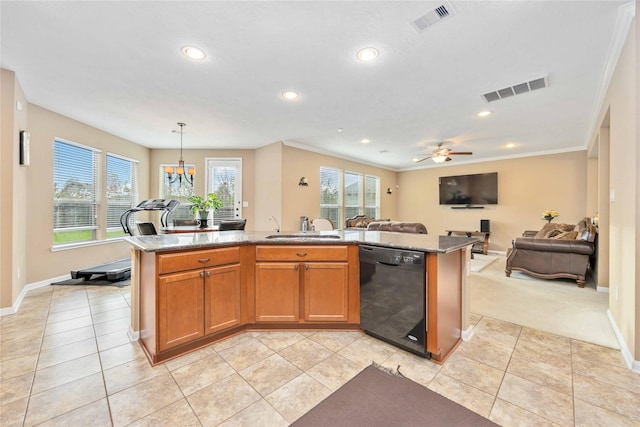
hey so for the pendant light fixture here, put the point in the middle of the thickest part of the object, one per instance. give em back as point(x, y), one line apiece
point(178, 173)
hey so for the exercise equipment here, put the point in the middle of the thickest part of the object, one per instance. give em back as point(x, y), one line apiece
point(114, 271)
point(166, 205)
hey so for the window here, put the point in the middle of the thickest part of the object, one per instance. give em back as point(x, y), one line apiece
point(224, 179)
point(122, 192)
point(372, 196)
point(352, 194)
point(331, 194)
point(75, 192)
point(179, 190)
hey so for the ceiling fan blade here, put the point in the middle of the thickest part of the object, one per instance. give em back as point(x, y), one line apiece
point(423, 159)
point(448, 158)
point(460, 152)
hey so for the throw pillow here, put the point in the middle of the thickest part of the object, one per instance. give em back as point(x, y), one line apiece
point(567, 235)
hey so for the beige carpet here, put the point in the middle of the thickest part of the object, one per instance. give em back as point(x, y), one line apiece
point(557, 306)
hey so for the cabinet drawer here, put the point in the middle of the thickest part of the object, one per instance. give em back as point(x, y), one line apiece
point(301, 253)
point(169, 263)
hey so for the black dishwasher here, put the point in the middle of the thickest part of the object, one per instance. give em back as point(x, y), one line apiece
point(392, 297)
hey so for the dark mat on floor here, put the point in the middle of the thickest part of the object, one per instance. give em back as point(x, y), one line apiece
point(377, 398)
point(95, 281)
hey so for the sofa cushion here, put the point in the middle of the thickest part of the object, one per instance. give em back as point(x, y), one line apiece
point(550, 230)
point(569, 235)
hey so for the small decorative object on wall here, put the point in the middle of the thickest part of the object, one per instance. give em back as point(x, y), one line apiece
point(303, 182)
point(389, 190)
point(550, 215)
point(24, 147)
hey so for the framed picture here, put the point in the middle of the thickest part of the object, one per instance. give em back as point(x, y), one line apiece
point(24, 148)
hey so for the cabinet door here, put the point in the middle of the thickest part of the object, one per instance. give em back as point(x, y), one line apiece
point(180, 308)
point(277, 292)
point(326, 292)
point(221, 298)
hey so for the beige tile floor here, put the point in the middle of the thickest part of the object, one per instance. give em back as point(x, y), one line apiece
point(65, 360)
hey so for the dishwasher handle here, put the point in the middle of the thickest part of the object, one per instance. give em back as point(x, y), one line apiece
point(388, 264)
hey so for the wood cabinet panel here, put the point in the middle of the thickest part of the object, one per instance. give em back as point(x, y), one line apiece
point(302, 253)
point(180, 309)
point(326, 292)
point(182, 261)
point(277, 292)
point(221, 298)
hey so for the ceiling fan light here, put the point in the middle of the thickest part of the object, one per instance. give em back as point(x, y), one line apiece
point(439, 159)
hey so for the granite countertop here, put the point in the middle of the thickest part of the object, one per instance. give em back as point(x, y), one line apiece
point(207, 240)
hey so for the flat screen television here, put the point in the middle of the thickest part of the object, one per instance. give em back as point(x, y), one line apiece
point(477, 189)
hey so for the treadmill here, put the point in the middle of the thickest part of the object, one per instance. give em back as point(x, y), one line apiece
point(121, 269)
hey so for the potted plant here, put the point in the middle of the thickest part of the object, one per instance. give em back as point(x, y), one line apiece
point(201, 206)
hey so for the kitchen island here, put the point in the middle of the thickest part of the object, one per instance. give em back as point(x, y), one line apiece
point(189, 290)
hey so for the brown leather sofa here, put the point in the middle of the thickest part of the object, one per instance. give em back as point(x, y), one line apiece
point(398, 227)
point(556, 251)
point(371, 224)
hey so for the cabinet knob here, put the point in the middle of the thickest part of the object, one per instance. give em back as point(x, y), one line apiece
point(204, 260)
point(295, 267)
point(301, 253)
point(208, 274)
point(202, 274)
point(306, 266)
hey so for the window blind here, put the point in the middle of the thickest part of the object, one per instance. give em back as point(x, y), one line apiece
point(121, 191)
point(372, 196)
point(330, 194)
point(223, 179)
point(352, 194)
point(75, 192)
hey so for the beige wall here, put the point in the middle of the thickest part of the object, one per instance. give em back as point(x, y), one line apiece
point(13, 189)
point(45, 125)
point(298, 201)
point(268, 186)
point(198, 158)
point(621, 109)
point(526, 187)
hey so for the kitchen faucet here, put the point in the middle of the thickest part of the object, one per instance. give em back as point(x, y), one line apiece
point(277, 224)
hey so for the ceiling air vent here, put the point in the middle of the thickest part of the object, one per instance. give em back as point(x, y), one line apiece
point(516, 89)
point(436, 15)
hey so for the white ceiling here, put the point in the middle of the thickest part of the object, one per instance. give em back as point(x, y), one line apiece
point(117, 66)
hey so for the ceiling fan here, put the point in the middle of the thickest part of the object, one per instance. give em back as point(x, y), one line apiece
point(441, 154)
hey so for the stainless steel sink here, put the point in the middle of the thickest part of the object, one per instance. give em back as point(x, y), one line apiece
point(303, 236)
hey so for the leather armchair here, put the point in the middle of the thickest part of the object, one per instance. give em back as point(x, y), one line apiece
point(552, 258)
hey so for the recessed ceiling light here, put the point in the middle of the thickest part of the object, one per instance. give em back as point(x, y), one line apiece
point(193, 53)
point(484, 113)
point(289, 94)
point(367, 54)
point(340, 129)
point(510, 145)
point(365, 141)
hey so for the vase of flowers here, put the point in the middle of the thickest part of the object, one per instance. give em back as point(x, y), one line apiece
point(550, 215)
point(201, 206)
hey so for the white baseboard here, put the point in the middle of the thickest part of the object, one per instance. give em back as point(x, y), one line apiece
point(133, 335)
point(467, 334)
point(16, 305)
point(633, 365)
point(603, 289)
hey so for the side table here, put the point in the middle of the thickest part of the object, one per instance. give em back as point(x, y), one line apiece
point(480, 247)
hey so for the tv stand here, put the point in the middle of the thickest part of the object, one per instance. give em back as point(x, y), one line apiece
point(467, 207)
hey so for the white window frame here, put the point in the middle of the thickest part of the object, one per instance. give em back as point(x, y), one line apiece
point(377, 203)
point(134, 188)
point(225, 162)
point(340, 189)
point(96, 166)
point(360, 194)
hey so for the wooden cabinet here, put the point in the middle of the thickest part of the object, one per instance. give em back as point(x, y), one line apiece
point(185, 296)
point(277, 292)
point(180, 308)
point(302, 284)
point(191, 298)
